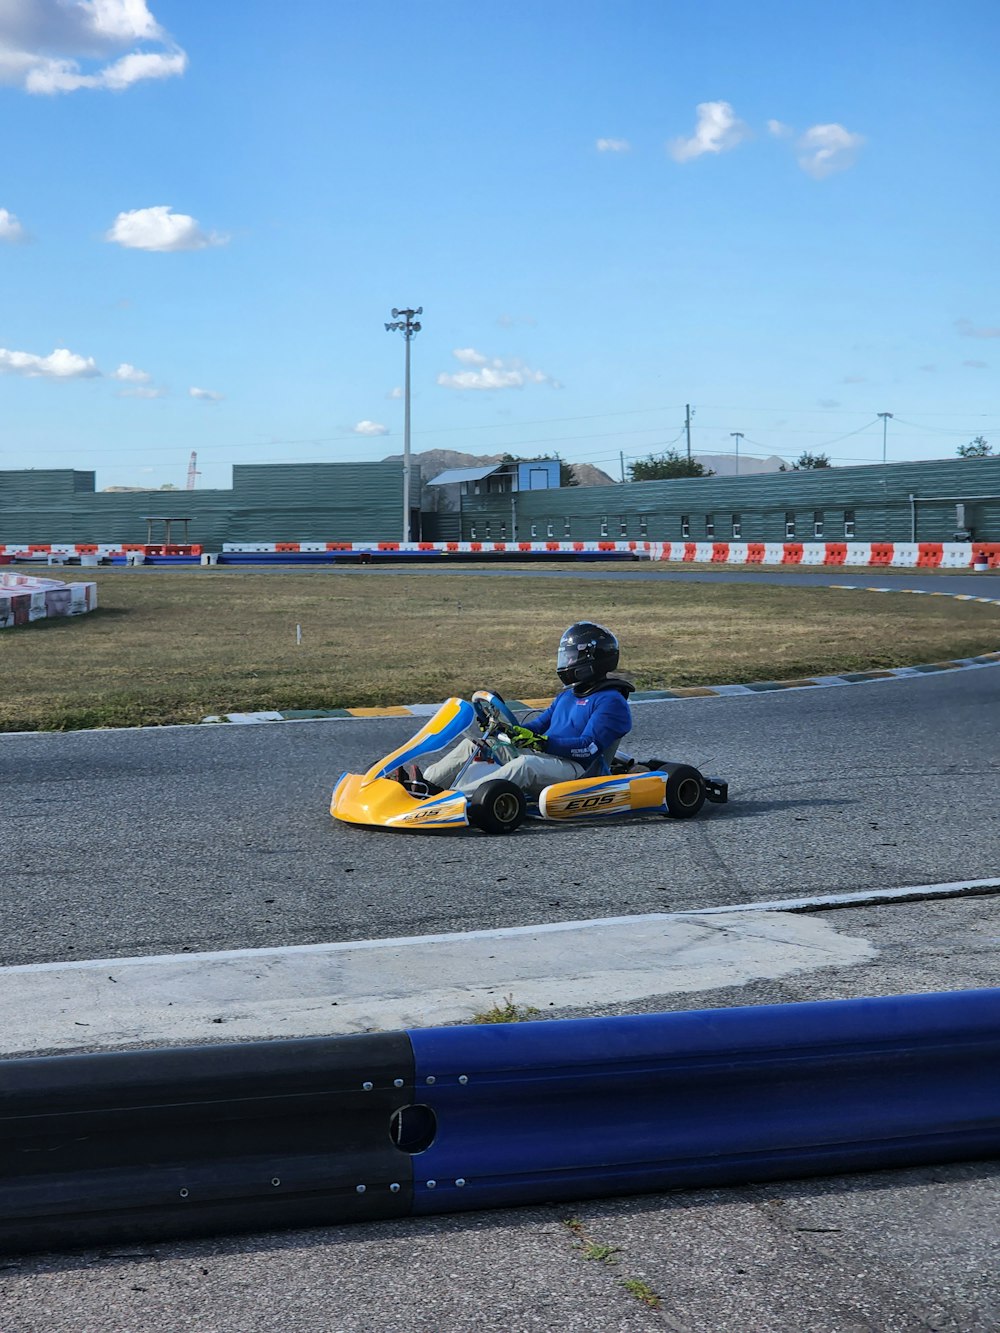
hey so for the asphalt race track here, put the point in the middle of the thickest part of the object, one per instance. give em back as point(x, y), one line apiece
point(173, 839)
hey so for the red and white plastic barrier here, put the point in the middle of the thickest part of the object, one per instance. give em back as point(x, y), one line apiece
point(930, 555)
point(24, 599)
point(900, 555)
point(36, 550)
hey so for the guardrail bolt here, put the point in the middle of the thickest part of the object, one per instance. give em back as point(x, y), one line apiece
point(183, 1194)
point(460, 1182)
point(360, 1189)
point(431, 1078)
point(431, 1184)
point(367, 1086)
point(394, 1188)
point(463, 1078)
point(275, 1180)
point(397, 1082)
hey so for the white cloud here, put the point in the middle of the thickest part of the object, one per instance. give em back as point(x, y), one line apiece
point(131, 374)
point(396, 392)
point(509, 321)
point(206, 395)
point(718, 129)
point(469, 356)
point(11, 230)
point(58, 365)
point(43, 42)
point(968, 330)
point(143, 393)
point(370, 428)
point(613, 145)
point(779, 129)
point(492, 373)
point(158, 229)
point(824, 149)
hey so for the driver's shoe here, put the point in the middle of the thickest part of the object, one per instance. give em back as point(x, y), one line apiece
point(415, 783)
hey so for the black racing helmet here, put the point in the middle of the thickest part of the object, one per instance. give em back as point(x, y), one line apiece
point(586, 652)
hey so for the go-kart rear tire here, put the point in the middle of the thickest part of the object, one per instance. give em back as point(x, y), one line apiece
point(496, 807)
point(685, 792)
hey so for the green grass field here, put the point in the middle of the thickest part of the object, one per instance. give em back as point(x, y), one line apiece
point(173, 645)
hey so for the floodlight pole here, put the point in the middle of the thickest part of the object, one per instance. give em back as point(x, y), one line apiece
point(737, 436)
point(409, 327)
point(886, 418)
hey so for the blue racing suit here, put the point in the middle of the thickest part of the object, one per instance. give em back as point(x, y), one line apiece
point(582, 727)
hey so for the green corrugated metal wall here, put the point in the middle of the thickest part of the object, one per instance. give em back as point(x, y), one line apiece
point(282, 502)
point(362, 501)
point(877, 496)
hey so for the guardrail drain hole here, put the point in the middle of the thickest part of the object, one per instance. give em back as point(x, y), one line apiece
point(413, 1128)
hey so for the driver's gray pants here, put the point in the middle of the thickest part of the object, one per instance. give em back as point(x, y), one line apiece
point(529, 771)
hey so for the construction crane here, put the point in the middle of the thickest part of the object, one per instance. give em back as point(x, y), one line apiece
point(192, 471)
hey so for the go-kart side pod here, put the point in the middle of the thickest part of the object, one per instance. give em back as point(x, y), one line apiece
point(660, 788)
point(589, 798)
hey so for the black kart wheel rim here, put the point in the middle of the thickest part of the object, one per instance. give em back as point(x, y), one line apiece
point(505, 808)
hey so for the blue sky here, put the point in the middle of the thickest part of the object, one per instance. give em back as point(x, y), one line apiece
point(785, 214)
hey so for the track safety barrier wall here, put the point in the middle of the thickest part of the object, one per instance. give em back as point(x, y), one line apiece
point(151, 1144)
point(931, 555)
point(24, 599)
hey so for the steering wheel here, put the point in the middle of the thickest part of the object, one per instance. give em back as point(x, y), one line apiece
point(491, 711)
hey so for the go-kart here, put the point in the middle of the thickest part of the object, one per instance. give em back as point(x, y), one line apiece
point(376, 798)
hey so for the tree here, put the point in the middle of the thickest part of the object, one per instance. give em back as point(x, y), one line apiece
point(666, 467)
point(978, 448)
point(806, 462)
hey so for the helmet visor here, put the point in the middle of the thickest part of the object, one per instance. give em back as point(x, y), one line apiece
point(569, 655)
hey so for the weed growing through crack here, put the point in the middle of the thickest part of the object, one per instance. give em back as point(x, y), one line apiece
point(641, 1291)
point(602, 1254)
point(608, 1254)
point(507, 1012)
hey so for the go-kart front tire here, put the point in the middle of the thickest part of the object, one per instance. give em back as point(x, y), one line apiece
point(496, 807)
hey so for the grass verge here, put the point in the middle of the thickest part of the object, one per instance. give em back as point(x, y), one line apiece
point(174, 645)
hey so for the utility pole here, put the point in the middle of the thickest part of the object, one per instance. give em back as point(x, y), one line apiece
point(886, 418)
point(621, 462)
point(409, 327)
point(737, 436)
point(687, 427)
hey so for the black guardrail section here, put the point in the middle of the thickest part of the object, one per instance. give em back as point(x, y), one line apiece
point(129, 1146)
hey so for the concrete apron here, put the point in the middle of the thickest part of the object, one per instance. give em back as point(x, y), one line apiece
point(360, 986)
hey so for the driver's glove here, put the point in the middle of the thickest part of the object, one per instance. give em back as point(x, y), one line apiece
point(526, 739)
